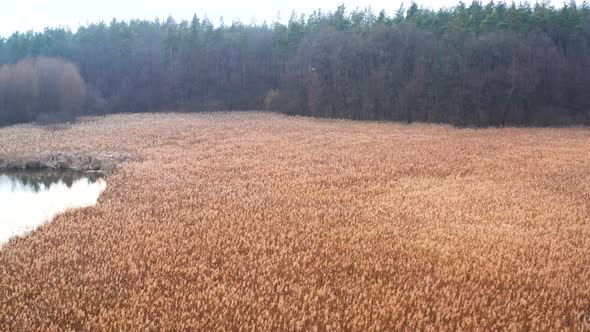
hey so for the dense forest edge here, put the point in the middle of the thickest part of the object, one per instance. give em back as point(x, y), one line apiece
point(479, 65)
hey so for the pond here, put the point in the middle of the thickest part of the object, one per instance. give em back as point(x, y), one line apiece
point(28, 199)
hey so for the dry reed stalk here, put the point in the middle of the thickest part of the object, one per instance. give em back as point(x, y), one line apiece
point(244, 221)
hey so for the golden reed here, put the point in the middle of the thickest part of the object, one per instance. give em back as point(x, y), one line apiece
point(254, 221)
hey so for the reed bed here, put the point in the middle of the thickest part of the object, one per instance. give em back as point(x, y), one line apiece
point(254, 221)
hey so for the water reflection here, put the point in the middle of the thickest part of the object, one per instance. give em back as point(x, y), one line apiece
point(27, 199)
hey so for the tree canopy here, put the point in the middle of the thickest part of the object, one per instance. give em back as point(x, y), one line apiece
point(478, 64)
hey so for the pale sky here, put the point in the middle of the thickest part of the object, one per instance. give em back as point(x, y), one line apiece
point(24, 210)
point(24, 15)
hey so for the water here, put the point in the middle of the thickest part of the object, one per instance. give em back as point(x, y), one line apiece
point(28, 199)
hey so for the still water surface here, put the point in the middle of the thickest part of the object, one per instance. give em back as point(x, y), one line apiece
point(28, 199)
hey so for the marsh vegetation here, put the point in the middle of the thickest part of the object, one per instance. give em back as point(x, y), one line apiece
point(251, 220)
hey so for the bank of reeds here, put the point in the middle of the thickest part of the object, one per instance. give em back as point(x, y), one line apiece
point(250, 221)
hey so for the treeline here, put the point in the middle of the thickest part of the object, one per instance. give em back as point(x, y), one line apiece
point(493, 64)
point(405, 73)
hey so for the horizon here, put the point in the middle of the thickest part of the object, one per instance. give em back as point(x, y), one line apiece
point(58, 13)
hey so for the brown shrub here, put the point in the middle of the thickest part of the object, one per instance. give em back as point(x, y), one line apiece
point(268, 100)
point(40, 88)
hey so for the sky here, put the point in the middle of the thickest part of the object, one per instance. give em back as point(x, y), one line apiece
point(24, 15)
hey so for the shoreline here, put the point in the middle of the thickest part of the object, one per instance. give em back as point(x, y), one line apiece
point(104, 163)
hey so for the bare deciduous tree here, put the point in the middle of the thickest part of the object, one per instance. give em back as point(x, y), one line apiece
point(45, 89)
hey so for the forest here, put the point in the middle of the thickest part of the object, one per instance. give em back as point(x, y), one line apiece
point(478, 65)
